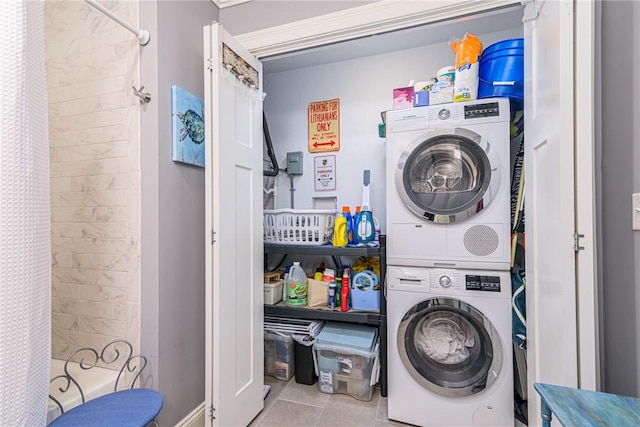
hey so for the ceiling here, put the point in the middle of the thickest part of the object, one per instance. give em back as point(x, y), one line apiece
point(439, 32)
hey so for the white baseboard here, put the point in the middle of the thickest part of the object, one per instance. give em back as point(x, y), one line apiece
point(194, 419)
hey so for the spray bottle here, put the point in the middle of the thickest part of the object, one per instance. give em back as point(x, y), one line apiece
point(344, 291)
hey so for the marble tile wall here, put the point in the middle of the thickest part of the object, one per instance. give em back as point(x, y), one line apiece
point(92, 63)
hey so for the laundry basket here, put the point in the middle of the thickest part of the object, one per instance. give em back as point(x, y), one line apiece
point(298, 227)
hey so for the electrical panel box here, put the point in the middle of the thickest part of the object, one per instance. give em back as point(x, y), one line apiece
point(294, 163)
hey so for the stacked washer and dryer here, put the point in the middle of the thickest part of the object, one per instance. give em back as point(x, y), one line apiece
point(448, 250)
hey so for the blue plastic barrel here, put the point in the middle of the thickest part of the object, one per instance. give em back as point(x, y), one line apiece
point(501, 70)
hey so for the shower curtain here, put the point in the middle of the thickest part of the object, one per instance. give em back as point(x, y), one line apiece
point(25, 249)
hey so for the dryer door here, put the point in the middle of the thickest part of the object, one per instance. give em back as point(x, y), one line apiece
point(449, 347)
point(447, 175)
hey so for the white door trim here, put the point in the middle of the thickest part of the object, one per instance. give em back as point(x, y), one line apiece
point(585, 206)
point(374, 18)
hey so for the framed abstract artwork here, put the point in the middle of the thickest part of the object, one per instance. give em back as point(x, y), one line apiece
point(188, 127)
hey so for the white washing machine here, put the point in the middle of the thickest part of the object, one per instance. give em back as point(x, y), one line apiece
point(448, 185)
point(449, 347)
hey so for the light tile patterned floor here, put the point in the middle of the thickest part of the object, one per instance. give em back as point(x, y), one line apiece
point(299, 405)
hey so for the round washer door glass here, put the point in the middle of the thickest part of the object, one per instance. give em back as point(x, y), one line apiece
point(447, 175)
point(449, 347)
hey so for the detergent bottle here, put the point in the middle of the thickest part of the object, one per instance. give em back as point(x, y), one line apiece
point(347, 214)
point(297, 287)
point(356, 219)
point(340, 237)
point(365, 229)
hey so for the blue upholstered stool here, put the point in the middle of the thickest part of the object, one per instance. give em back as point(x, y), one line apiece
point(134, 407)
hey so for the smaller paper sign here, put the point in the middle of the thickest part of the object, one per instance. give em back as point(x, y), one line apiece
point(325, 173)
point(324, 126)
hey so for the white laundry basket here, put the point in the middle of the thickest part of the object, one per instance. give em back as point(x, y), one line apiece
point(298, 226)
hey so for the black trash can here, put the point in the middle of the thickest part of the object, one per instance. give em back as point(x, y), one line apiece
point(303, 355)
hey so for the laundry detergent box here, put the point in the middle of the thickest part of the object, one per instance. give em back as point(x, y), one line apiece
point(346, 357)
point(279, 355)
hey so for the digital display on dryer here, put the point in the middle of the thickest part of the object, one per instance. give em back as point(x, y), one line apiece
point(482, 283)
point(481, 110)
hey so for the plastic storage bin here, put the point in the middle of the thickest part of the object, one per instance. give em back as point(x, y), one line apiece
point(273, 292)
point(279, 358)
point(347, 359)
point(273, 283)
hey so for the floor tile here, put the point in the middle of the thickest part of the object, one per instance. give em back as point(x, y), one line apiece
point(344, 410)
point(277, 386)
point(302, 393)
point(382, 413)
point(290, 414)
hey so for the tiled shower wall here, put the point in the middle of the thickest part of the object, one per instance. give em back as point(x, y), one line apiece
point(92, 64)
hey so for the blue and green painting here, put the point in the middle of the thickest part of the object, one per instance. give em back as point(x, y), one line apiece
point(188, 127)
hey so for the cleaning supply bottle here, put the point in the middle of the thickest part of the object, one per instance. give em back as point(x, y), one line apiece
point(347, 214)
point(318, 274)
point(284, 287)
point(332, 294)
point(365, 229)
point(340, 237)
point(356, 219)
point(296, 284)
point(344, 291)
point(338, 290)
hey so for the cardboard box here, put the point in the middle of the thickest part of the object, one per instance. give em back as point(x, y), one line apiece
point(441, 93)
point(403, 98)
point(421, 99)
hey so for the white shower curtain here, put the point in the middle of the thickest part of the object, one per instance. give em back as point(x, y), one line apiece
point(25, 249)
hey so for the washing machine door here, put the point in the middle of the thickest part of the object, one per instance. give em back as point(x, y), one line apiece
point(449, 347)
point(447, 175)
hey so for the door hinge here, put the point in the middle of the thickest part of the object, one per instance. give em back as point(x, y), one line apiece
point(213, 237)
point(535, 8)
point(576, 242)
point(210, 64)
point(212, 413)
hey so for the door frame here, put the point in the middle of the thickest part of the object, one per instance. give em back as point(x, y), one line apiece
point(360, 21)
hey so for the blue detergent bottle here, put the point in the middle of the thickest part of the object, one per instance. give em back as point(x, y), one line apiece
point(350, 234)
point(365, 229)
point(356, 220)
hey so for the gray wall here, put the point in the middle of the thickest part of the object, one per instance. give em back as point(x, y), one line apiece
point(173, 210)
point(620, 177)
point(261, 14)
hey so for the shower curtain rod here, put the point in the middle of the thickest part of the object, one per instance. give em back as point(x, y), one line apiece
point(142, 35)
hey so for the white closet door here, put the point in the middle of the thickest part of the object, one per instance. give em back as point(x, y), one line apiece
point(551, 114)
point(234, 288)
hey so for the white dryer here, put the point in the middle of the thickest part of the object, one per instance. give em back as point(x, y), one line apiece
point(449, 347)
point(448, 185)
